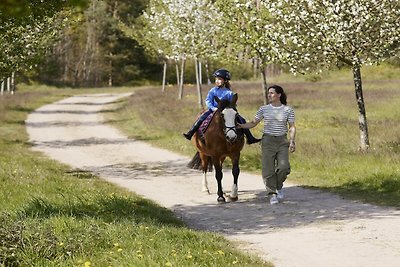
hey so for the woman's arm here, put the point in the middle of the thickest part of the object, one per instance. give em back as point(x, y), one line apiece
point(292, 137)
point(248, 125)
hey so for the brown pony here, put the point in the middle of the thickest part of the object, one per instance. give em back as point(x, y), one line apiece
point(221, 140)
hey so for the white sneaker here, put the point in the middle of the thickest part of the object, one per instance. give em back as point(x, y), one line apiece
point(273, 199)
point(280, 195)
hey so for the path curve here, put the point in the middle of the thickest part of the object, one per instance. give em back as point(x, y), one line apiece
point(311, 228)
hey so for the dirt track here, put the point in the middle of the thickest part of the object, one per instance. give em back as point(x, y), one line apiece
point(310, 228)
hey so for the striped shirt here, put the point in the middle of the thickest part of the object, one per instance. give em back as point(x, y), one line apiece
point(276, 119)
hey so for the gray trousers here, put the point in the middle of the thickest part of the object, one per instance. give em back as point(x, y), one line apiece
point(275, 161)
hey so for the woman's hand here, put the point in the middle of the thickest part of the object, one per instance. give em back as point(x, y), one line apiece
point(292, 146)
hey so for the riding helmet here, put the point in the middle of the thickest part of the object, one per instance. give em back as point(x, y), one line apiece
point(222, 73)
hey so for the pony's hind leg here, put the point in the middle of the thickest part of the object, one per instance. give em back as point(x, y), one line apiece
point(205, 183)
point(205, 162)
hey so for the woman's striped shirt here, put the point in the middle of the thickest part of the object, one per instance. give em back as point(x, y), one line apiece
point(276, 119)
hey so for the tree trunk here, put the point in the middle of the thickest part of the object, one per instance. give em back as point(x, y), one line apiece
point(200, 74)
point(2, 87)
point(177, 73)
point(208, 74)
point(9, 84)
point(256, 67)
point(362, 117)
point(110, 71)
point(198, 82)
point(164, 76)
point(12, 82)
point(264, 85)
point(114, 10)
point(182, 78)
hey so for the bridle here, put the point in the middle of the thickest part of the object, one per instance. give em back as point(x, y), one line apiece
point(227, 129)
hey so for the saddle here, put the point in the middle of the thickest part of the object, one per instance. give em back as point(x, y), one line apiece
point(204, 126)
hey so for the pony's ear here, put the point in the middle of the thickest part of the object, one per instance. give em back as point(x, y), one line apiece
point(234, 99)
point(217, 99)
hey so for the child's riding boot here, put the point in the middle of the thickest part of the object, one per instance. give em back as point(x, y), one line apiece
point(250, 138)
point(192, 130)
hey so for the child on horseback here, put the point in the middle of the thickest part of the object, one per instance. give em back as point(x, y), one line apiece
point(222, 90)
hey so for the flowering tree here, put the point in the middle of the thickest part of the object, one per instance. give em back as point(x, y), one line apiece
point(148, 32)
point(180, 29)
point(250, 24)
point(311, 34)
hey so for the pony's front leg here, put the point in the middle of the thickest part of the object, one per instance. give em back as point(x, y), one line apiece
point(235, 172)
point(218, 176)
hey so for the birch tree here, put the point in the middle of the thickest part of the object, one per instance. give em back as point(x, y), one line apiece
point(313, 34)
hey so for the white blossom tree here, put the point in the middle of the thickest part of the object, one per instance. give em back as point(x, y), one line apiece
point(247, 29)
point(164, 34)
point(181, 29)
point(312, 34)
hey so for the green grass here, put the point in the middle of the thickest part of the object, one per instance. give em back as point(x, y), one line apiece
point(52, 215)
point(327, 155)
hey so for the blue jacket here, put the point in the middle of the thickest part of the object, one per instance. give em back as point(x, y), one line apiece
point(221, 93)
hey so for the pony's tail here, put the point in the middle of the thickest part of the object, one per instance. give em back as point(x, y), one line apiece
point(195, 164)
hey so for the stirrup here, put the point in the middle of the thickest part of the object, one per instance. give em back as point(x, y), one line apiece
point(188, 136)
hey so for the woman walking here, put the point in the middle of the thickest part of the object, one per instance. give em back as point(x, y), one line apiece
point(279, 120)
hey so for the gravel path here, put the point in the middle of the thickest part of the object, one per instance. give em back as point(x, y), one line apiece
point(311, 228)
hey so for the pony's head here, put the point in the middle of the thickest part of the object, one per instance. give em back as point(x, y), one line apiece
point(229, 114)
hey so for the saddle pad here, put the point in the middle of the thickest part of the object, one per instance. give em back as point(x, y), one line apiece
point(203, 127)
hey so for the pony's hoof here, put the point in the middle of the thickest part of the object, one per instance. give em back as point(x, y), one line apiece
point(233, 199)
point(206, 191)
point(221, 200)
